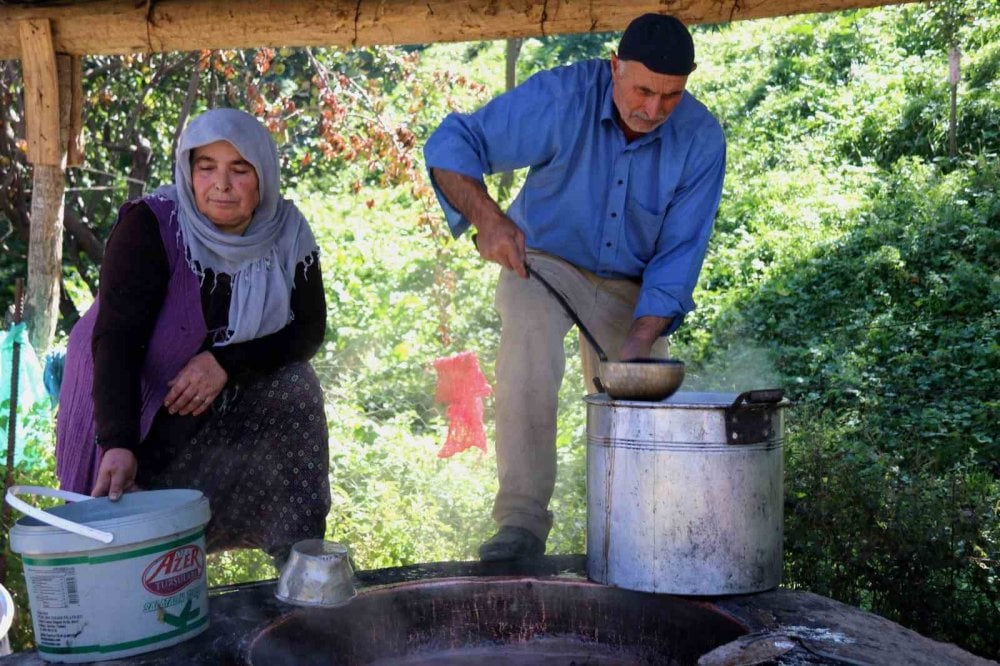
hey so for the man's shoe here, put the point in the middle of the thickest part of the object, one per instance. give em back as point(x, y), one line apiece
point(511, 543)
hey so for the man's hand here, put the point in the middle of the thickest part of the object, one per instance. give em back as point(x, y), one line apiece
point(498, 238)
point(116, 474)
point(195, 386)
point(642, 336)
point(502, 241)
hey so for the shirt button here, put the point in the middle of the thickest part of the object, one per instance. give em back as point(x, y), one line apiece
point(621, 182)
point(614, 214)
point(608, 244)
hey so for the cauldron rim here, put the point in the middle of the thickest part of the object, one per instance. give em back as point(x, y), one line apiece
point(402, 619)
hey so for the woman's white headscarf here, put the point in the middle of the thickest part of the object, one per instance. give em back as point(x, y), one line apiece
point(261, 261)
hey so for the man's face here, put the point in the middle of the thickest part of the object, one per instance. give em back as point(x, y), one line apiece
point(644, 99)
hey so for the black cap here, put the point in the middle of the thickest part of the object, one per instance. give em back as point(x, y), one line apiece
point(661, 43)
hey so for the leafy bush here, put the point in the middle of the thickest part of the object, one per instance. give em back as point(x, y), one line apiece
point(37, 468)
point(913, 543)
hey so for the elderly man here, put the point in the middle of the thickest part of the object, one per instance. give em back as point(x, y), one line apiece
point(625, 175)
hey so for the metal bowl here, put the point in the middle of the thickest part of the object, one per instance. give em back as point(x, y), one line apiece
point(651, 379)
point(318, 573)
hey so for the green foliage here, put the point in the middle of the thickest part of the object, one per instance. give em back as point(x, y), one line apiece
point(37, 468)
point(865, 527)
point(909, 301)
point(552, 51)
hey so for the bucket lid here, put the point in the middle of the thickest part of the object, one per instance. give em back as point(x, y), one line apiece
point(136, 517)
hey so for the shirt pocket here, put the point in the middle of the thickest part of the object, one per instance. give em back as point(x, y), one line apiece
point(642, 229)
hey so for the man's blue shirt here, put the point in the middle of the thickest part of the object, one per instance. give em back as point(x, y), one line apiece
point(641, 210)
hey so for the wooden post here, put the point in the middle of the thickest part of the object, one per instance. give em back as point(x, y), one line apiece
point(45, 254)
point(41, 92)
point(47, 114)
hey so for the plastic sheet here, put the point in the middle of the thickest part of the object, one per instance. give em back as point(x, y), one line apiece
point(30, 387)
point(462, 386)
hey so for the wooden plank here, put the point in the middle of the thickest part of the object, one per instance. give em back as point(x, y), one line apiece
point(187, 25)
point(83, 28)
point(41, 92)
point(123, 26)
point(403, 22)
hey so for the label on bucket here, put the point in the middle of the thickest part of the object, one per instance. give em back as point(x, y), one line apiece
point(115, 604)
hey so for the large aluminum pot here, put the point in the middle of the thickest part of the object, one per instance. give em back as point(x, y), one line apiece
point(684, 496)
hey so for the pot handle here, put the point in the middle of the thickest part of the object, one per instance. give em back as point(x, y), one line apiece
point(758, 397)
point(747, 426)
point(49, 519)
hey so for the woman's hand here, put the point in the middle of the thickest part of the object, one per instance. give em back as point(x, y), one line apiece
point(195, 386)
point(116, 474)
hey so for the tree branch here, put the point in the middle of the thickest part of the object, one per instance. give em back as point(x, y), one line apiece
point(161, 73)
point(86, 240)
point(67, 308)
point(189, 99)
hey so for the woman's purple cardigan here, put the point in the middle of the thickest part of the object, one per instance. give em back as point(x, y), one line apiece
point(177, 336)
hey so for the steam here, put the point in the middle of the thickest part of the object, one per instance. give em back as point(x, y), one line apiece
point(733, 370)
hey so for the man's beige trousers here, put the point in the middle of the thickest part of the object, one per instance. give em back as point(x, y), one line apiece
point(529, 371)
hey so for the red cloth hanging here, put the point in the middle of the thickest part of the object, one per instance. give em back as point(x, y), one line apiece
point(462, 386)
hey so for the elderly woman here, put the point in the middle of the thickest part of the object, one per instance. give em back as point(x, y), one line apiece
point(191, 368)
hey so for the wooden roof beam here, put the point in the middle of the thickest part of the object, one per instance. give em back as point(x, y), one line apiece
point(125, 26)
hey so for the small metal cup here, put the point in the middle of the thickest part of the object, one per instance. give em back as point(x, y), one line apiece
point(318, 573)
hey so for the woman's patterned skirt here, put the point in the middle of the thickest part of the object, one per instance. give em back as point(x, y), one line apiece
point(260, 455)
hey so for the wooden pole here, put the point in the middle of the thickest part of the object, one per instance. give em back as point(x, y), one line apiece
point(48, 129)
point(45, 254)
point(15, 372)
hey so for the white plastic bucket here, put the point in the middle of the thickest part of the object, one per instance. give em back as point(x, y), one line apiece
point(6, 619)
point(112, 579)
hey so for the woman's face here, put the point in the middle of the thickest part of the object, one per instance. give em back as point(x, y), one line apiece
point(225, 186)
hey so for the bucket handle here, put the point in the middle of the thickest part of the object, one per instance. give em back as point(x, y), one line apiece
point(49, 519)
